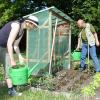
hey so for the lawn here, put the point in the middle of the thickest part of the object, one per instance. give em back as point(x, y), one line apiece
point(30, 95)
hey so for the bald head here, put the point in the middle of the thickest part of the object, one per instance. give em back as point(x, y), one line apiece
point(81, 23)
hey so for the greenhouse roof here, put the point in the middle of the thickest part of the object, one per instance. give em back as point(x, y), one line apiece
point(55, 12)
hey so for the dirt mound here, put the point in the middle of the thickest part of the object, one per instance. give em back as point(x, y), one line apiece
point(70, 80)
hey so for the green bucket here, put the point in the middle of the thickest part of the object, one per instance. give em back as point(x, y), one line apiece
point(76, 55)
point(19, 75)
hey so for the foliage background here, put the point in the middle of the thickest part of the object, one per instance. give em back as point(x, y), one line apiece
point(89, 10)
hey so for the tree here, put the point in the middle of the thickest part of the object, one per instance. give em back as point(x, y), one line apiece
point(86, 9)
point(8, 10)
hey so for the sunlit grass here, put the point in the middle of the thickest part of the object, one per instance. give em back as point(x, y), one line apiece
point(31, 95)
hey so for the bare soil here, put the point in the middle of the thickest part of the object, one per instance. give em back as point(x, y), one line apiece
point(71, 80)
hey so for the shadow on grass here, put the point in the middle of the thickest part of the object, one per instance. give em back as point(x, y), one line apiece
point(30, 95)
point(3, 93)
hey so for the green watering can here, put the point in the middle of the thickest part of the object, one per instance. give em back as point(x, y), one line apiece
point(76, 55)
point(20, 74)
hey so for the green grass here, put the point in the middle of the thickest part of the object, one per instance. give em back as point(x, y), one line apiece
point(30, 95)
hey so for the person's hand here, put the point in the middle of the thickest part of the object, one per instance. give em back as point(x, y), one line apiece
point(23, 60)
point(97, 43)
point(77, 49)
point(13, 63)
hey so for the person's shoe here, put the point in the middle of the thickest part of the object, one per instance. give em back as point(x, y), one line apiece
point(14, 93)
point(81, 69)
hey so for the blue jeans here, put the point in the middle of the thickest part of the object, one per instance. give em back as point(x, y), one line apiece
point(92, 51)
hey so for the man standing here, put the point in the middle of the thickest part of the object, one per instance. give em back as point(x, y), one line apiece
point(10, 36)
point(88, 38)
